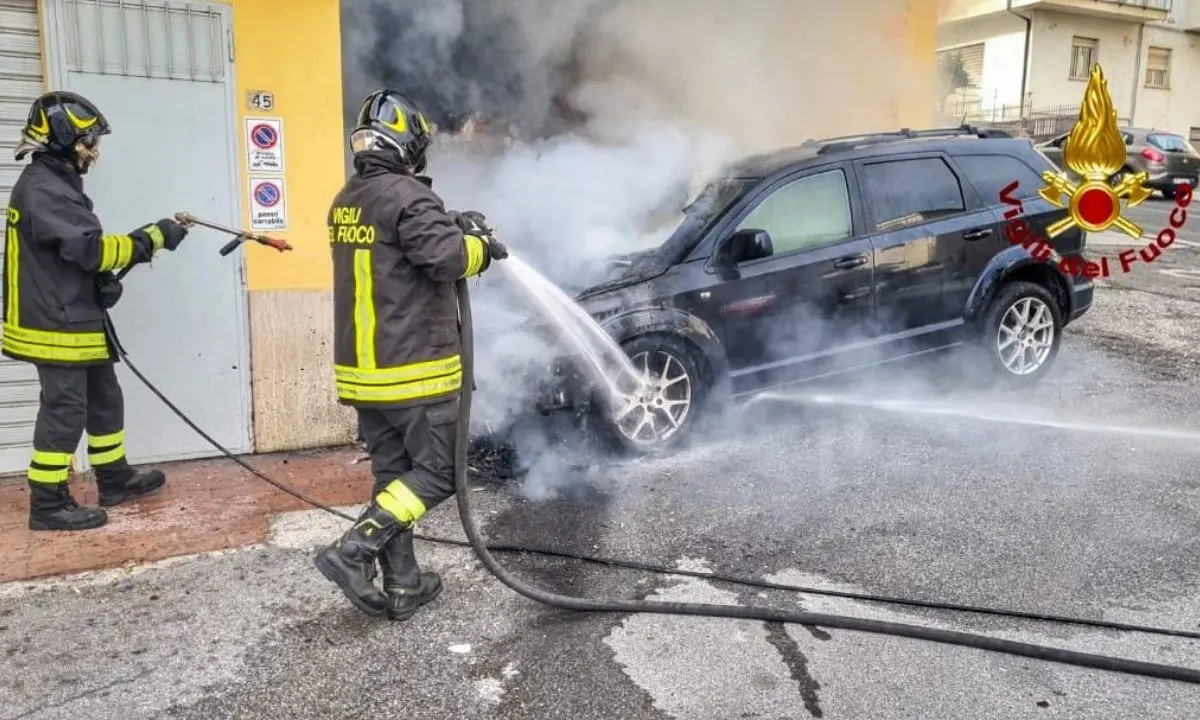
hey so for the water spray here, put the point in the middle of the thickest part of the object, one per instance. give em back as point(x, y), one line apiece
point(591, 343)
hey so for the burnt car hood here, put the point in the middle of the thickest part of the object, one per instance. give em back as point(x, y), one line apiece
point(619, 271)
point(625, 270)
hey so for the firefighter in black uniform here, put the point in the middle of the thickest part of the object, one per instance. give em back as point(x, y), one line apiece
point(58, 281)
point(397, 253)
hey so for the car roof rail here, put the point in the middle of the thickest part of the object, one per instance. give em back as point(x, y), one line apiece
point(849, 142)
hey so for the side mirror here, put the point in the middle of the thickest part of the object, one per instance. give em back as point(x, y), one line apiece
point(746, 245)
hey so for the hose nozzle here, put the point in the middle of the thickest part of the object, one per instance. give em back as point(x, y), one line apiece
point(188, 220)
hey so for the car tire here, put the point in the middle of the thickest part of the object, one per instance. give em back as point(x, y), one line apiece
point(668, 422)
point(1002, 326)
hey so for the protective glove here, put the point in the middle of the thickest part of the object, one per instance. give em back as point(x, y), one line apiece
point(108, 289)
point(173, 232)
point(474, 223)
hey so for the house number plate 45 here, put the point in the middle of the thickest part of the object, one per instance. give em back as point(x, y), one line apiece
point(261, 100)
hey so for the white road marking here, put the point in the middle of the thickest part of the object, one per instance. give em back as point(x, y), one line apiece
point(1182, 273)
point(1119, 239)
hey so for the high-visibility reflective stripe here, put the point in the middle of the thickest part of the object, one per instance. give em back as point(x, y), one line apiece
point(400, 502)
point(56, 338)
point(49, 477)
point(50, 353)
point(52, 459)
point(116, 252)
point(106, 457)
point(400, 392)
point(50, 467)
point(106, 449)
point(12, 252)
point(54, 345)
point(476, 250)
point(156, 237)
point(364, 309)
point(426, 370)
point(103, 441)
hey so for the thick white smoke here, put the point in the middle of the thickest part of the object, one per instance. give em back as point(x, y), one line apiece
point(589, 123)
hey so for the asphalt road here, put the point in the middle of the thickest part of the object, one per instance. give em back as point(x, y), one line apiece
point(1017, 501)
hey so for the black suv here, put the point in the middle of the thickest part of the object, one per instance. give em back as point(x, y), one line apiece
point(827, 258)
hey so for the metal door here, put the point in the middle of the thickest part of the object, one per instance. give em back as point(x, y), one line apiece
point(20, 84)
point(162, 74)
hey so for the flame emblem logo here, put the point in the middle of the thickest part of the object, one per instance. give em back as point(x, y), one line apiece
point(1095, 151)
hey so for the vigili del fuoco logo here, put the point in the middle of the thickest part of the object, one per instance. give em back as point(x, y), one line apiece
point(1095, 152)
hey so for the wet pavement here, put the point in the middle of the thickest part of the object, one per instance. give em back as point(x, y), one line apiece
point(1010, 500)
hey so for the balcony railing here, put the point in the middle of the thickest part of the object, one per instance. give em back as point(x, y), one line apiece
point(954, 10)
point(1164, 5)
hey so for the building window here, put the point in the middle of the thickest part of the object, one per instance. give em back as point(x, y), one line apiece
point(1083, 56)
point(963, 66)
point(1158, 68)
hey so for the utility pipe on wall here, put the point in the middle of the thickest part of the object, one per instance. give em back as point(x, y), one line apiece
point(1025, 55)
point(1137, 75)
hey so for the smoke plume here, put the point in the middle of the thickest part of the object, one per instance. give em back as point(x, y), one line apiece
point(581, 127)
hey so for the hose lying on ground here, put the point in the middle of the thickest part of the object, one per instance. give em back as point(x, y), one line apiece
point(484, 552)
point(841, 622)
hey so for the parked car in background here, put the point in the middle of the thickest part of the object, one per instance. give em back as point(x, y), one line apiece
point(825, 259)
point(1169, 159)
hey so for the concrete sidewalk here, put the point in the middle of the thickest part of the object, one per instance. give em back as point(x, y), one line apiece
point(207, 505)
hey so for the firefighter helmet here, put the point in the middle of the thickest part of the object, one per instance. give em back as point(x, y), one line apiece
point(388, 118)
point(60, 120)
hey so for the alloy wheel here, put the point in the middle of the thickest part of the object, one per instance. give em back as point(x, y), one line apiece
point(1026, 336)
point(658, 409)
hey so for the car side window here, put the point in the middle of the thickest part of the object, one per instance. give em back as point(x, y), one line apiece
point(990, 174)
point(805, 213)
point(910, 192)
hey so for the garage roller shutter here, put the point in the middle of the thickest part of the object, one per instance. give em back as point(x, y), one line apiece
point(972, 61)
point(20, 82)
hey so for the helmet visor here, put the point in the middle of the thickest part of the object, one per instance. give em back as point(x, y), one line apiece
point(366, 139)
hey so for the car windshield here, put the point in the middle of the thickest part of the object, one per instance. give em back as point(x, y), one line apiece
point(709, 204)
point(1170, 143)
point(716, 197)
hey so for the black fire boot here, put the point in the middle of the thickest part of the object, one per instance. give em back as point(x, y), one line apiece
point(349, 563)
point(120, 483)
point(51, 507)
point(406, 586)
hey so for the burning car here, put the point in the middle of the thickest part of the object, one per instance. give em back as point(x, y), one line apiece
point(821, 260)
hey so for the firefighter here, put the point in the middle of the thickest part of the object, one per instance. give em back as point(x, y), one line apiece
point(59, 280)
point(397, 254)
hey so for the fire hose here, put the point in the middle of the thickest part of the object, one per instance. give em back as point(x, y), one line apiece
point(484, 551)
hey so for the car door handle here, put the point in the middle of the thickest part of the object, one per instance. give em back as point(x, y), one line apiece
point(979, 234)
point(850, 261)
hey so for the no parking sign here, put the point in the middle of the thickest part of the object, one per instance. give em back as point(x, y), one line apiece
point(264, 145)
point(268, 207)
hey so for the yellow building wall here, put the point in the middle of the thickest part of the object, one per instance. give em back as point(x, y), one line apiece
point(909, 30)
point(922, 17)
point(293, 49)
